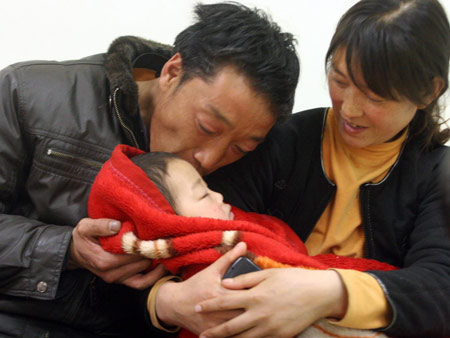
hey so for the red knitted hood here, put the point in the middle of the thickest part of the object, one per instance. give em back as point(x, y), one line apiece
point(122, 191)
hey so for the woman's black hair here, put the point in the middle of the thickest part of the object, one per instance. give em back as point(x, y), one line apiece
point(401, 47)
point(231, 34)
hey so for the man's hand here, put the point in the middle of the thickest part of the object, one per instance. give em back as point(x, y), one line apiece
point(86, 253)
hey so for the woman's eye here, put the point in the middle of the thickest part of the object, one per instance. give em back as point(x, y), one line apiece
point(339, 82)
point(375, 99)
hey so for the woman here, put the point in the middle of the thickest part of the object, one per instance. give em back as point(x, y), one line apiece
point(359, 179)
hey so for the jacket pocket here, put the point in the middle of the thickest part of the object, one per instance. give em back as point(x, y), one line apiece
point(62, 159)
point(60, 179)
point(52, 152)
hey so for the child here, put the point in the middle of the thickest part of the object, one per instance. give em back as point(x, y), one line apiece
point(150, 211)
point(182, 186)
point(149, 192)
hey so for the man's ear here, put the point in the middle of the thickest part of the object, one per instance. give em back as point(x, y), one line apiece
point(171, 73)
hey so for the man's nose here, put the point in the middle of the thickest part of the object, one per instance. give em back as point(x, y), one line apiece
point(210, 157)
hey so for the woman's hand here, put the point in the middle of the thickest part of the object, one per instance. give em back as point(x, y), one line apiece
point(175, 302)
point(278, 302)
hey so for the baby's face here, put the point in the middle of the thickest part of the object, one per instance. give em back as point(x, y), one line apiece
point(191, 194)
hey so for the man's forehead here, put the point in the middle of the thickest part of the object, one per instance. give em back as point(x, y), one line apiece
point(252, 135)
point(219, 115)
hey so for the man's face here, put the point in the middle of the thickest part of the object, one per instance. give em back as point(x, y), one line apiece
point(208, 123)
point(191, 195)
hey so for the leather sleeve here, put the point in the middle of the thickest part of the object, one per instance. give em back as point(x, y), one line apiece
point(32, 253)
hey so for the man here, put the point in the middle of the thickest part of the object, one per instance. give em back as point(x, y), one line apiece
point(210, 99)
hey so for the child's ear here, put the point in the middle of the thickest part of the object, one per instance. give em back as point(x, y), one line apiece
point(171, 73)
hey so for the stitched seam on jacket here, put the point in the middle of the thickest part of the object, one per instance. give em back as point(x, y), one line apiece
point(12, 183)
point(62, 173)
point(71, 140)
point(58, 64)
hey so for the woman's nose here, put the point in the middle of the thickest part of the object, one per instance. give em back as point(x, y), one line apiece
point(351, 104)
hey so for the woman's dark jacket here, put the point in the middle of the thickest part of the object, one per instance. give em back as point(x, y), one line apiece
point(403, 215)
point(59, 121)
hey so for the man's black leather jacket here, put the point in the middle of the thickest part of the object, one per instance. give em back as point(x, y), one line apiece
point(59, 121)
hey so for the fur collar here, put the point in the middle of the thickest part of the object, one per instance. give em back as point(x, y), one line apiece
point(119, 62)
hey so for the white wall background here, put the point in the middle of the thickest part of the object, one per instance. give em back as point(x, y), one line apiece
point(70, 29)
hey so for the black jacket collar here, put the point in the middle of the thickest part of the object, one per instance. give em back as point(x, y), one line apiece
point(123, 55)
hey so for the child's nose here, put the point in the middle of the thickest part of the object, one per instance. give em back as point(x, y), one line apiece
point(218, 197)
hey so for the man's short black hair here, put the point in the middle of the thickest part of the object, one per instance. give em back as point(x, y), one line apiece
point(231, 34)
point(154, 164)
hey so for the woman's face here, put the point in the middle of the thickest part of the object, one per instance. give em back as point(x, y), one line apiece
point(363, 118)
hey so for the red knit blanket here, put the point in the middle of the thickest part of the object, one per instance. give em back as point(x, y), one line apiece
point(185, 245)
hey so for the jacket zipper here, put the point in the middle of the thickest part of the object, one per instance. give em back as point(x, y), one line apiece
point(368, 186)
point(331, 183)
point(90, 163)
point(122, 123)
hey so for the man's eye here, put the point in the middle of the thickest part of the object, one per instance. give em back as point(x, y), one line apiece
point(240, 150)
point(205, 130)
point(205, 195)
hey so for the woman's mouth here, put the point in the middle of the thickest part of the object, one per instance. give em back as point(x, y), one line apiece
point(351, 128)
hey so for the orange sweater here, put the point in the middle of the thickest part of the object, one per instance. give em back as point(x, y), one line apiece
point(339, 229)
